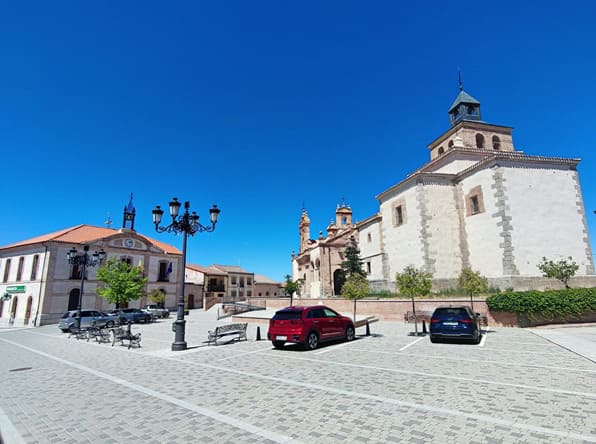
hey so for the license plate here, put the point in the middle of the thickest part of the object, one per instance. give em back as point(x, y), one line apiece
point(450, 323)
point(281, 338)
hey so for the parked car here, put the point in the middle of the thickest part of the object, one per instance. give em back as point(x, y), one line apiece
point(156, 311)
point(132, 315)
point(309, 326)
point(87, 318)
point(458, 322)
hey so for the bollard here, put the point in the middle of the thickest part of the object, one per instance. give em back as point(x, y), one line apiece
point(424, 327)
point(258, 333)
point(367, 330)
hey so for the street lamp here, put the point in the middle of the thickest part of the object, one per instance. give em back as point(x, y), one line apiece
point(85, 260)
point(185, 224)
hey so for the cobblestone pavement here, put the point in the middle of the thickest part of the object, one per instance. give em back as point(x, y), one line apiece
point(514, 387)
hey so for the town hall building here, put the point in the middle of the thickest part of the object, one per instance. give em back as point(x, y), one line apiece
point(478, 203)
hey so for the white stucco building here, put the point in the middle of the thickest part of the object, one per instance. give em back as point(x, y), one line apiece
point(480, 203)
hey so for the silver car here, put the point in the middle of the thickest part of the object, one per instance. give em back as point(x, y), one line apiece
point(101, 319)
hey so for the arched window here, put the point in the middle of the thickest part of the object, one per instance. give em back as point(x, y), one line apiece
point(479, 140)
point(28, 310)
point(441, 150)
point(34, 267)
point(450, 144)
point(126, 259)
point(20, 268)
point(496, 143)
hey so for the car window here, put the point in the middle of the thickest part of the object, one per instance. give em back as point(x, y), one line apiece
point(318, 313)
point(65, 315)
point(85, 313)
point(330, 313)
point(287, 315)
point(458, 312)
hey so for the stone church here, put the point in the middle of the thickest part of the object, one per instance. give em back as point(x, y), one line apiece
point(478, 203)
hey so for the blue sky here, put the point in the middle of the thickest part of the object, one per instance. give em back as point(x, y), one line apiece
point(263, 106)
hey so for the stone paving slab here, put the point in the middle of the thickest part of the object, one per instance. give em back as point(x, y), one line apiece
point(387, 387)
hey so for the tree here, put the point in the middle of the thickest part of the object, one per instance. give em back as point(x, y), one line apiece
point(472, 282)
point(292, 287)
point(352, 265)
point(563, 270)
point(411, 282)
point(157, 296)
point(355, 287)
point(122, 282)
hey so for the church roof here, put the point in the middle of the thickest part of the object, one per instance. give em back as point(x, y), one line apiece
point(82, 234)
point(463, 97)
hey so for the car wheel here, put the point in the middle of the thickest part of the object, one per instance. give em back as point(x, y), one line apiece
point(312, 341)
point(476, 339)
point(278, 344)
point(350, 333)
point(110, 324)
point(64, 330)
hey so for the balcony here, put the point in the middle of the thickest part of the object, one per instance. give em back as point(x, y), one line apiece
point(216, 287)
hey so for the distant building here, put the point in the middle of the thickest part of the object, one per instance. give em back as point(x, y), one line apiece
point(265, 287)
point(478, 203)
point(38, 284)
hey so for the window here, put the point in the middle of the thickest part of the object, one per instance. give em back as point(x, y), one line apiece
point(34, 267)
point(248, 281)
point(496, 143)
point(248, 293)
point(164, 272)
point(241, 281)
point(233, 293)
point(20, 268)
point(6, 270)
point(369, 237)
point(479, 140)
point(126, 260)
point(441, 150)
point(474, 202)
point(450, 144)
point(266, 293)
point(399, 215)
point(76, 271)
point(233, 280)
point(368, 268)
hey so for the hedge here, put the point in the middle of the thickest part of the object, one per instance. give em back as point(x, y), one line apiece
point(549, 304)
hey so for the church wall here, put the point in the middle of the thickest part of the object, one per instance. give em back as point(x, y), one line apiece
point(548, 217)
point(481, 231)
point(440, 230)
point(456, 166)
point(402, 243)
point(370, 247)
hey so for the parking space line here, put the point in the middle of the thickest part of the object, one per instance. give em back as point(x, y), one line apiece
point(411, 343)
point(482, 361)
point(423, 407)
point(483, 340)
point(454, 378)
point(267, 434)
point(236, 355)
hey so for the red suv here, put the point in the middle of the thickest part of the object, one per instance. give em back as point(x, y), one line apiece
point(309, 326)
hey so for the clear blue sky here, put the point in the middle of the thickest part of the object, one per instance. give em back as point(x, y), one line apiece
point(261, 106)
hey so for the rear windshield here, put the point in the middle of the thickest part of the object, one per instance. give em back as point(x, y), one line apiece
point(292, 315)
point(442, 313)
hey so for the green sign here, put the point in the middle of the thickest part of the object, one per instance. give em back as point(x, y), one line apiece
point(15, 289)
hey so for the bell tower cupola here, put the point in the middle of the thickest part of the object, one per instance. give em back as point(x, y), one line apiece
point(304, 227)
point(465, 107)
point(129, 215)
point(343, 215)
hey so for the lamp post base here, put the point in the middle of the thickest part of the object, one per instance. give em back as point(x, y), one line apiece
point(179, 327)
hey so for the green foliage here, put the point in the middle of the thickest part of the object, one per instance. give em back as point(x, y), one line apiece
point(156, 296)
point(352, 265)
point(121, 282)
point(562, 270)
point(414, 281)
point(355, 287)
point(472, 282)
point(548, 304)
point(292, 287)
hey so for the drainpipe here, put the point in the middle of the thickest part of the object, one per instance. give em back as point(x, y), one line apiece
point(41, 285)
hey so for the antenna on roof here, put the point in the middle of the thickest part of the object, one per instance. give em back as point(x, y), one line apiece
point(108, 221)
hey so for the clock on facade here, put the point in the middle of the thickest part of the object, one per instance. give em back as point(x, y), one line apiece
point(129, 243)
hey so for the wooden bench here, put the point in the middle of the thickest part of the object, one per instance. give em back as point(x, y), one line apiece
point(79, 333)
point(101, 334)
point(122, 334)
point(424, 315)
point(238, 330)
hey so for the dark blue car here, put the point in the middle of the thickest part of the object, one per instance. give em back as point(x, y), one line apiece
point(454, 323)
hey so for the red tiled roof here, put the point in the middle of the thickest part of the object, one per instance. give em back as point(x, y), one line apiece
point(81, 234)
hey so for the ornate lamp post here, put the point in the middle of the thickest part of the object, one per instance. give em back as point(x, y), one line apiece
point(187, 224)
point(85, 260)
